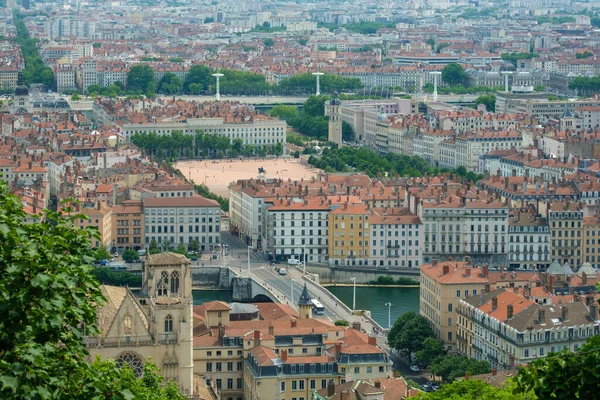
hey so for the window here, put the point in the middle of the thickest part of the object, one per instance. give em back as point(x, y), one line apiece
point(357, 370)
point(449, 307)
point(458, 293)
point(526, 352)
point(218, 365)
point(294, 385)
point(209, 353)
point(240, 383)
point(219, 383)
point(282, 386)
point(230, 383)
point(229, 366)
point(239, 365)
point(381, 369)
point(209, 367)
point(174, 283)
point(450, 336)
point(163, 284)
point(541, 351)
point(369, 370)
point(323, 383)
point(301, 384)
point(168, 324)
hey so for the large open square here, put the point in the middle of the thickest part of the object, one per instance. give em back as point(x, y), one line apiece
point(218, 174)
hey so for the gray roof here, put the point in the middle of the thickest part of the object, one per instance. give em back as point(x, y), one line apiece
point(578, 314)
point(567, 270)
point(304, 297)
point(588, 269)
point(241, 308)
point(555, 268)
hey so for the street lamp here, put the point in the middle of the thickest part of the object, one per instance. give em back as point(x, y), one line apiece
point(389, 314)
point(292, 287)
point(249, 247)
point(354, 296)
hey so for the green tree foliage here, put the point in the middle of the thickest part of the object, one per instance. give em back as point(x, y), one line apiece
point(539, 88)
point(341, 322)
point(302, 41)
point(474, 389)
point(347, 132)
point(585, 54)
point(268, 42)
point(409, 332)
point(432, 350)
point(35, 71)
point(209, 20)
point(176, 59)
point(307, 83)
point(451, 367)
point(284, 112)
point(314, 106)
point(441, 46)
point(194, 245)
point(140, 78)
point(153, 248)
point(365, 28)
point(97, 45)
point(199, 76)
point(564, 375)
point(243, 83)
point(130, 255)
point(170, 84)
point(388, 280)
point(106, 276)
point(75, 97)
point(102, 253)
point(204, 191)
point(585, 84)
point(556, 20)
point(48, 300)
point(431, 42)
point(473, 13)
point(595, 21)
point(453, 74)
point(514, 57)
point(489, 100)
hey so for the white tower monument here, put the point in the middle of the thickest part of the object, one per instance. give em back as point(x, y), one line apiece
point(218, 94)
point(435, 74)
point(318, 75)
point(506, 75)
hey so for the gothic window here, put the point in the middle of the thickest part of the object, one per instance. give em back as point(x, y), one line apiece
point(168, 324)
point(127, 325)
point(175, 282)
point(163, 284)
point(134, 362)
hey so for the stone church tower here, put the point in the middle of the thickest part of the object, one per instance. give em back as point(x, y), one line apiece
point(335, 121)
point(21, 102)
point(156, 324)
point(305, 305)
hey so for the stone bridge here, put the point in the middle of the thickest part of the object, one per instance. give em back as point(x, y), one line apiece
point(244, 289)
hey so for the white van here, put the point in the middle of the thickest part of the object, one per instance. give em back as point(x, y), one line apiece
point(293, 261)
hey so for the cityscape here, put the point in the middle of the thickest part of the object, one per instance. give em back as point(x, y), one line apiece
point(283, 200)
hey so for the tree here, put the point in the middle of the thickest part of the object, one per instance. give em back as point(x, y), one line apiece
point(539, 88)
point(153, 248)
point(102, 253)
point(140, 78)
point(194, 246)
point(315, 105)
point(595, 21)
point(209, 20)
point(302, 41)
point(453, 74)
point(564, 375)
point(431, 351)
point(268, 42)
point(284, 112)
point(97, 45)
point(167, 245)
point(451, 367)
point(489, 100)
point(181, 249)
point(130, 256)
point(585, 54)
point(347, 132)
point(431, 42)
point(170, 84)
point(409, 332)
point(475, 389)
point(341, 322)
point(75, 97)
point(199, 76)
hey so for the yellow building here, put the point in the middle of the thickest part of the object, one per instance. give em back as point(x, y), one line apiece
point(349, 235)
point(591, 241)
point(443, 285)
point(128, 225)
point(101, 218)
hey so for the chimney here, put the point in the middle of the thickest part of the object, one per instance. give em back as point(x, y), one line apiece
point(378, 384)
point(293, 323)
point(283, 354)
point(583, 279)
point(542, 316)
point(345, 395)
point(494, 303)
point(494, 371)
point(372, 340)
point(270, 330)
point(564, 313)
point(338, 349)
point(487, 287)
point(509, 311)
point(594, 311)
point(550, 284)
point(356, 326)
point(330, 388)
point(434, 262)
point(446, 269)
point(468, 272)
point(485, 270)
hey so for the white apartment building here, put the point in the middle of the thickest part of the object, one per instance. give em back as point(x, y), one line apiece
point(246, 213)
point(64, 77)
point(508, 329)
point(87, 74)
point(528, 240)
point(470, 148)
point(260, 131)
point(181, 220)
point(457, 228)
point(297, 228)
point(396, 240)
point(427, 145)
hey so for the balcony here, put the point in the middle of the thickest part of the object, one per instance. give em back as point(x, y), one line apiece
point(393, 246)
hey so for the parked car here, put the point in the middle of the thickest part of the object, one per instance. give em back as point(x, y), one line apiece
point(434, 386)
point(383, 267)
point(426, 388)
point(414, 368)
point(194, 258)
point(282, 271)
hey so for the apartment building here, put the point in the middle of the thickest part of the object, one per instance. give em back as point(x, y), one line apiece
point(349, 234)
point(528, 240)
point(565, 221)
point(181, 220)
point(509, 329)
point(443, 285)
point(64, 77)
point(128, 225)
point(469, 149)
point(427, 144)
point(87, 74)
point(591, 241)
point(297, 228)
point(101, 218)
point(396, 239)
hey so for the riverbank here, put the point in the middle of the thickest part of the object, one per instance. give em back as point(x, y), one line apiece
point(367, 285)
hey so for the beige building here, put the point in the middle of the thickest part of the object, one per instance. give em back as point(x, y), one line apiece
point(128, 225)
point(443, 285)
point(565, 220)
point(101, 218)
point(157, 323)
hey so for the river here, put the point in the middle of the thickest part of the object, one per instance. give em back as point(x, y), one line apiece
point(367, 298)
point(374, 299)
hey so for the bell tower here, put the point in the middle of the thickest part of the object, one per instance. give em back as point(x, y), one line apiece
point(305, 304)
point(335, 121)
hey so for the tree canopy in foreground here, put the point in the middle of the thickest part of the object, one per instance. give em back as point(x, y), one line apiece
point(48, 300)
